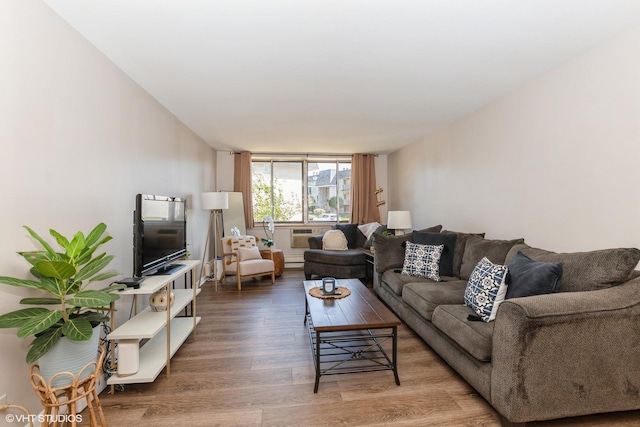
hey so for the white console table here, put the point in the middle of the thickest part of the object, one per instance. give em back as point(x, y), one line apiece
point(165, 332)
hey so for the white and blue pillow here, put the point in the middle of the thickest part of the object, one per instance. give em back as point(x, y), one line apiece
point(422, 260)
point(486, 289)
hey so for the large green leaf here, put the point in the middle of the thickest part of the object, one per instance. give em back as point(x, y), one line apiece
point(90, 298)
point(94, 266)
point(43, 343)
point(32, 257)
point(56, 269)
point(95, 234)
point(17, 318)
point(19, 282)
point(62, 241)
point(43, 242)
point(39, 323)
point(76, 246)
point(40, 301)
point(78, 329)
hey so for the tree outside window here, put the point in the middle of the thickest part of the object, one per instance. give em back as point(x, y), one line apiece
point(279, 187)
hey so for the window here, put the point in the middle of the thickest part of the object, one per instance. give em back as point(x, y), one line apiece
point(301, 191)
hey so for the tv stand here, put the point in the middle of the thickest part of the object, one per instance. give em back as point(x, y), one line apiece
point(162, 331)
point(168, 269)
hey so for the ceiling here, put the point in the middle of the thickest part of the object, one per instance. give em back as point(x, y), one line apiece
point(337, 76)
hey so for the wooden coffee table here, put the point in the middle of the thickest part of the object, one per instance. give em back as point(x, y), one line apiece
point(347, 334)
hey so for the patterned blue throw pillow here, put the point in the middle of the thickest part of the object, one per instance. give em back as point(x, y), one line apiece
point(486, 289)
point(422, 260)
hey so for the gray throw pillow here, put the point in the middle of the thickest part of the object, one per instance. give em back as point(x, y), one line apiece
point(446, 239)
point(528, 277)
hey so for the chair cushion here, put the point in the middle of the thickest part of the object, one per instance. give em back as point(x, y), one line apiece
point(236, 242)
point(425, 296)
point(256, 266)
point(473, 337)
point(249, 253)
point(334, 240)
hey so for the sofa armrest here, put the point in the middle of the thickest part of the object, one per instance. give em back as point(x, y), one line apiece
point(567, 354)
point(315, 242)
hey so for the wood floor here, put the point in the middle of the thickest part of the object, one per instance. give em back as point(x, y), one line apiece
point(251, 365)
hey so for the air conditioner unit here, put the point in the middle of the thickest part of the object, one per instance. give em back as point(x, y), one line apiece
point(300, 236)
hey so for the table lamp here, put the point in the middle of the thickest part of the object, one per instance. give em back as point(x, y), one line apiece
point(399, 221)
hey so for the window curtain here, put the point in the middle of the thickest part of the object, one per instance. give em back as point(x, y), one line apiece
point(242, 183)
point(364, 203)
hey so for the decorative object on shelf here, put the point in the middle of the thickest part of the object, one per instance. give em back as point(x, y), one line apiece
point(158, 300)
point(71, 311)
point(317, 293)
point(269, 226)
point(235, 232)
point(328, 286)
point(399, 221)
point(214, 202)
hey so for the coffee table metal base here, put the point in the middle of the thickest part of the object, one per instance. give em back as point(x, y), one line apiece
point(351, 351)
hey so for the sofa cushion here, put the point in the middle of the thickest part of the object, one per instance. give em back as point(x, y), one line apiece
point(486, 289)
point(587, 271)
point(425, 296)
point(349, 257)
point(528, 277)
point(389, 251)
point(461, 243)
point(334, 240)
point(446, 239)
point(473, 337)
point(478, 248)
point(355, 238)
point(422, 260)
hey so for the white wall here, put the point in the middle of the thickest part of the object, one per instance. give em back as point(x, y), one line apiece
point(555, 162)
point(78, 140)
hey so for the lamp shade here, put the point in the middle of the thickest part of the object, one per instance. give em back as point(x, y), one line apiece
point(215, 200)
point(399, 220)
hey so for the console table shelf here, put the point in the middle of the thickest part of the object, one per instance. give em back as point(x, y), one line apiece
point(152, 354)
point(164, 331)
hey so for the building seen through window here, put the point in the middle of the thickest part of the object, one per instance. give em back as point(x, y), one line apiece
point(301, 191)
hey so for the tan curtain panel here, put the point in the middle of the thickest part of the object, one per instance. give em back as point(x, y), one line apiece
point(242, 183)
point(364, 208)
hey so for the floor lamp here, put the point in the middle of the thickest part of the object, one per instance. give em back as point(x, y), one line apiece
point(213, 202)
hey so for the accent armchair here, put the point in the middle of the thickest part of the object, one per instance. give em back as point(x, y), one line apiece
point(241, 257)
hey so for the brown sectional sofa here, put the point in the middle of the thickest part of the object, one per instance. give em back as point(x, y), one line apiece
point(572, 352)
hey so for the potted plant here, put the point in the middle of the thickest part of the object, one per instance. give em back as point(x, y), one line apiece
point(269, 227)
point(69, 311)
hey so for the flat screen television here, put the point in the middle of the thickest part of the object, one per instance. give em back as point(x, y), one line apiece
point(159, 234)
